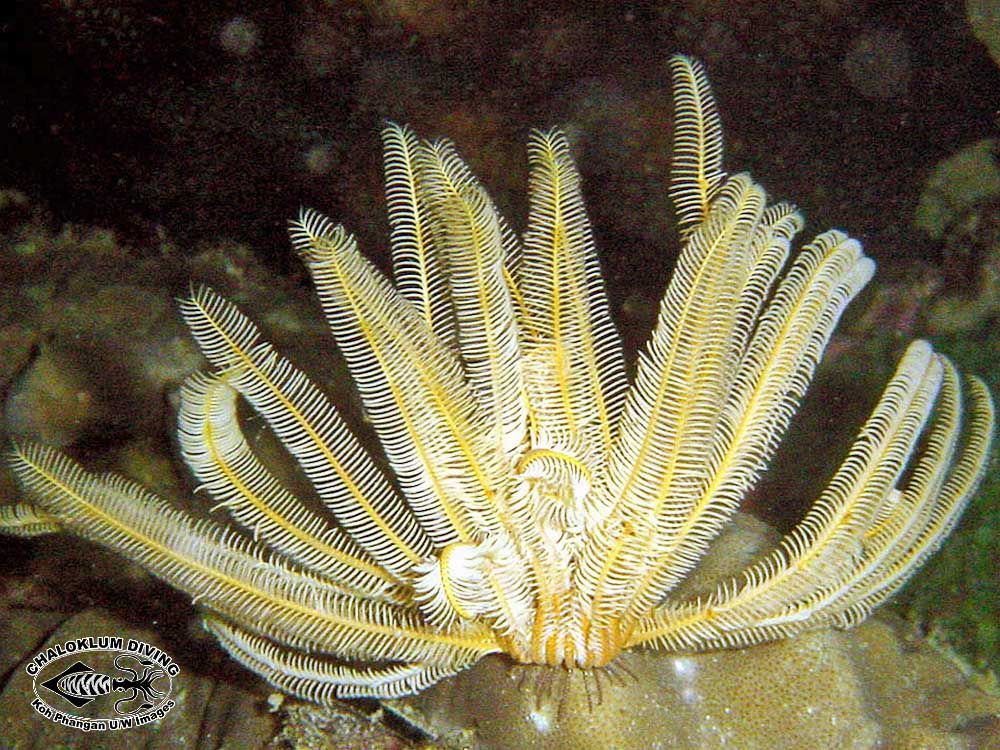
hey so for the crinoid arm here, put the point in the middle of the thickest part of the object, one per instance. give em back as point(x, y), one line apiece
point(906, 481)
point(27, 520)
point(439, 432)
point(321, 679)
point(232, 576)
point(412, 385)
point(736, 344)
point(213, 445)
point(416, 257)
point(477, 244)
point(306, 423)
point(696, 173)
point(574, 371)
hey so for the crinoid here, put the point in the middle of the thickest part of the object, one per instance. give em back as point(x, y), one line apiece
point(542, 506)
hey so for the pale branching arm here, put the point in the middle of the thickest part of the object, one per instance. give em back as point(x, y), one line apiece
point(887, 508)
point(312, 431)
point(474, 240)
point(428, 421)
point(318, 679)
point(27, 521)
point(574, 370)
point(215, 449)
point(696, 174)
point(230, 575)
point(416, 257)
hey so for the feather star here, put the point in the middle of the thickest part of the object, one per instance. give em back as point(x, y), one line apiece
point(542, 506)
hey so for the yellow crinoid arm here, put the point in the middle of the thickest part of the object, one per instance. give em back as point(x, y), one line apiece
point(786, 588)
point(416, 257)
point(231, 575)
point(215, 449)
point(310, 428)
point(898, 494)
point(428, 420)
point(660, 463)
point(27, 521)
point(771, 377)
point(913, 522)
point(731, 356)
point(475, 242)
point(321, 680)
point(575, 371)
point(696, 175)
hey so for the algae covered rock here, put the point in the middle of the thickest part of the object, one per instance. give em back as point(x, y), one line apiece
point(959, 182)
point(984, 18)
point(960, 211)
point(865, 689)
point(208, 712)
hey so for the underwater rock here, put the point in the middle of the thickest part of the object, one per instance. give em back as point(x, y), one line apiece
point(799, 693)
point(958, 183)
point(878, 64)
point(971, 293)
point(208, 712)
point(960, 210)
point(984, 18)
point(52, 401)
point(309, 727)
point(110, 355)
point(862, 689)
point(239, 37)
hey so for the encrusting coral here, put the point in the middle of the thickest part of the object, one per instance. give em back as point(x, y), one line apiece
point(543, 507)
